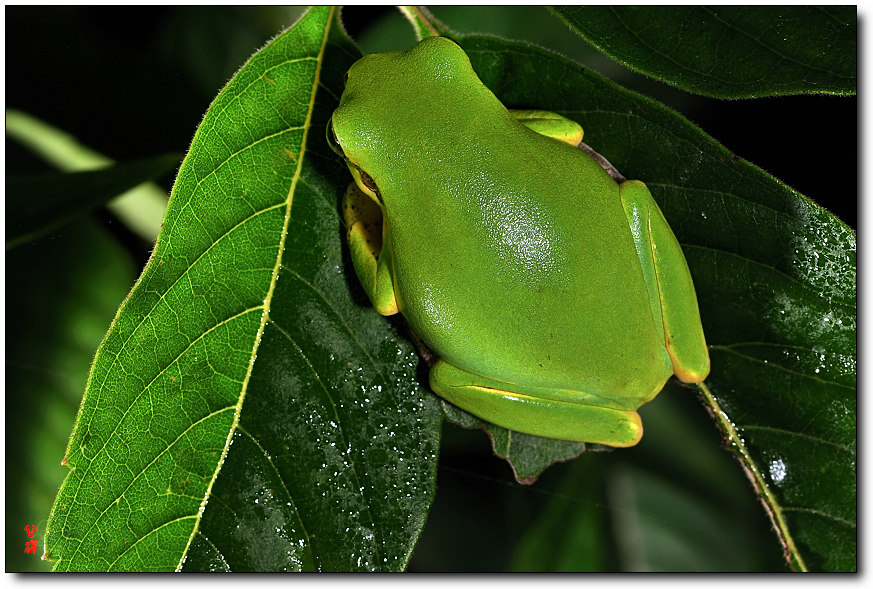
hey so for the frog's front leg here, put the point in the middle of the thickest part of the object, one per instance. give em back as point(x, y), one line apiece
point(550, 124)
point(668, 280)
point(536, 413)
point(365, 236)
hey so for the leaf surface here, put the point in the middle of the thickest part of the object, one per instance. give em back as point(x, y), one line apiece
point(728, 51)
point(247, 410)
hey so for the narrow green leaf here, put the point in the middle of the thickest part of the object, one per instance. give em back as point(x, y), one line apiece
point(39, 204)
point(728, 51)
point(687, 534)
point(775, 277)
point(423, 22)
point(141, 208)
point(248, 410)
point(569, 535)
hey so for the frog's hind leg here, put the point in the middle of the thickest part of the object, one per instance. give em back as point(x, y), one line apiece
point(668, 281)
point(534, 414)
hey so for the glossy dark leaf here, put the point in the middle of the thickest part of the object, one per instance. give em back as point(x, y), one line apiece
point(247, 409)
point(775, 277)
point(39, 204)
point(728, 51)
point(528, 455)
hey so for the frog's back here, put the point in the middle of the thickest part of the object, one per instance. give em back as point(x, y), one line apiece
point(532, 276)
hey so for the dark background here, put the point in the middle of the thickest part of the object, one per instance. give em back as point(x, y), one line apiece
point(135, 82)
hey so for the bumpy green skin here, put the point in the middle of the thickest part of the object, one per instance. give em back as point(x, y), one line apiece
point(558, 301)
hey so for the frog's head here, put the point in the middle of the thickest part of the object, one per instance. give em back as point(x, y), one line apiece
point(395, 103)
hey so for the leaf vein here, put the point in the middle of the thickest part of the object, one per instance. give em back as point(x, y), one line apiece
point(817, 439)
point(729, 348)
point(329, 16)
point(818, 512)
point(175, 281)
point(850, 308)
point(145, 388)
point(150, 532)
point(242, 150)
point(342, 321)
point(327, 392)
point(269, 459)
point(116, 499)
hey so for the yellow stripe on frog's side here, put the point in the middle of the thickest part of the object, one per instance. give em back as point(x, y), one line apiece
point(536, 415)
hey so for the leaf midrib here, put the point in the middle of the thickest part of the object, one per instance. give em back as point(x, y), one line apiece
point(276, 268)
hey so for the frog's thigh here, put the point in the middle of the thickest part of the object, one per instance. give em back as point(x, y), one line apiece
point(550, 124)
point(364, 221)
point(671, 291)
point(543, 417)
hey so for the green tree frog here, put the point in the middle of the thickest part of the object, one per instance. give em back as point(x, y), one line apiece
point(557, 300)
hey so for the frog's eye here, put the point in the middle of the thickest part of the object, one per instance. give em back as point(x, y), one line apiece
point(369, 183)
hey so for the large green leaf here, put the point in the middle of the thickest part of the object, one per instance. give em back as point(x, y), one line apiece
point(728, 51)
point(248, 410)
point(775, 276)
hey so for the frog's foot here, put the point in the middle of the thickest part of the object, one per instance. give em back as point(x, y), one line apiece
point(550, 124)
point(533, 414)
